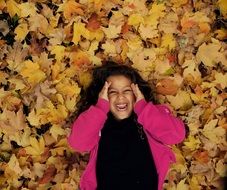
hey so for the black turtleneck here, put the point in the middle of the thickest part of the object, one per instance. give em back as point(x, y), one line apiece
point(124, 160)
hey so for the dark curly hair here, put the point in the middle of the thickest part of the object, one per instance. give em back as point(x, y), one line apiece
point(100, 74)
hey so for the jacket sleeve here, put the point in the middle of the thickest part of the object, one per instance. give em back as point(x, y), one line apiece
point(86, 128)
point(160, 123)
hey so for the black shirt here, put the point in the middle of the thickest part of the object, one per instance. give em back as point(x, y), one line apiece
point(124, 159)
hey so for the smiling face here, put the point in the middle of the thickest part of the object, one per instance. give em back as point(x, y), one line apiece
point(120, 96)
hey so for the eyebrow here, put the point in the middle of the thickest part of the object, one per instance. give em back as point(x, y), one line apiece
point(111, 88)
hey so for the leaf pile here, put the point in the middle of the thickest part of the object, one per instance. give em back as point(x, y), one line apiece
point(47, 50)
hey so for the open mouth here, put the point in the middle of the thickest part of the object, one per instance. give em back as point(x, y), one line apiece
point(121, 107)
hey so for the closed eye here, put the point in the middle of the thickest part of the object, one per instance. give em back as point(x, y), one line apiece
point(112, 92)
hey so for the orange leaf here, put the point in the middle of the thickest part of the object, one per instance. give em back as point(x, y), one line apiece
point(71, 7)
point(125, 28)
point(167, 87)
point(202, 156)
point(93, 23)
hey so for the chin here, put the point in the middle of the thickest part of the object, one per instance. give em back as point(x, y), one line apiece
point(120, 117)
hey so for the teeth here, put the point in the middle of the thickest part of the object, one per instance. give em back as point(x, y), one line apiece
point(121, 106)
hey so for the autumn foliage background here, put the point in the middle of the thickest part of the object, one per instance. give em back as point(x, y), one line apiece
point(47, 51)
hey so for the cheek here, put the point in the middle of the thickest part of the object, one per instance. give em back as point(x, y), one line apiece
point(131, 98)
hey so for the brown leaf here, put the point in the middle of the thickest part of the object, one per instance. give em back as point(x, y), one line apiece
point(48, 175)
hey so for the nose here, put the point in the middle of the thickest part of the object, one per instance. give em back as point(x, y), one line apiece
point(120, 96)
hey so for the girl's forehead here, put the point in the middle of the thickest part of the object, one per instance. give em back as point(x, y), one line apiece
point(118, 79)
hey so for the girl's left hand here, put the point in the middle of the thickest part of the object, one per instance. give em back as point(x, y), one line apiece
point(138, 94)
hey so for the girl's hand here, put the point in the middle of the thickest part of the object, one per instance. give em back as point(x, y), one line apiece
point(138, 94)
point(104, 92)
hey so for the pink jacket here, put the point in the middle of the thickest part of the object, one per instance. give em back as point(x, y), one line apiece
point(160, 126)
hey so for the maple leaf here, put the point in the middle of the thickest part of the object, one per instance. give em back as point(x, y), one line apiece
point(109, 47)
point(70, 8)
point(57, 130)
point(182, 185)
point(222, 5)
point(112, 31)
point(13, 8)
point(21, 31)
point(38, 23)
point(93, 23)
point(211, 54)
point(135, 19)
point(169, 23)
point(16, 55)
point(147, 31)
point(37, 146)
point(48, 175)
point(191, 69)
point(192, 143)
point(213, 133)
point(181, 101)
point(11, 121)
point(168, 41)
point(13, 170)
point(27, 9)
point(59, 52)
point(143, 60)
point(221, 79)
point(167, 86)
point(31, 71)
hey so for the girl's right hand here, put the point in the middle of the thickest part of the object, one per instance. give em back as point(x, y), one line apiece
point(104, 92)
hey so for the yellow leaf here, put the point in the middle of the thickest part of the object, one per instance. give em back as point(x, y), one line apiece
point(112, 31)
point(135, 43)
point(13, 8)
point(59, 52)
point(85, 79)
point(178, 3)
point(181, 101)
point(210, 54)
point(109, 47)
point(223, 7)
point(147, 31)
point(36, 148)
point(221, 79)
point(31, 71)
point(2, 4)
point(57, 130)
point(70, 103)
point(14, 165)
point(79, 30)
point(221, 168)
point(33, 118)
point(162, 66)
point(70, 8)
point(156, 12)
point(68, 87)
point(135, 19)
point(21, 31)
point(190, 68)
point(194, 183)
point(182, 185)
point(192, 143)
point(27, 9)
point(168, 41)
point(19, 84)
point(213, 133)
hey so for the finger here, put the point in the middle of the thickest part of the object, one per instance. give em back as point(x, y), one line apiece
point(133, 87)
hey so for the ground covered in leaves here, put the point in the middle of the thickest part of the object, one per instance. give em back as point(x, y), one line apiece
point(47, 50)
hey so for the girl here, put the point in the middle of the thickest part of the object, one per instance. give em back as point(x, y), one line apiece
point(125, 133)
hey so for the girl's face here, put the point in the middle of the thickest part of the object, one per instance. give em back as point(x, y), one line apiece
point(120, 96)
